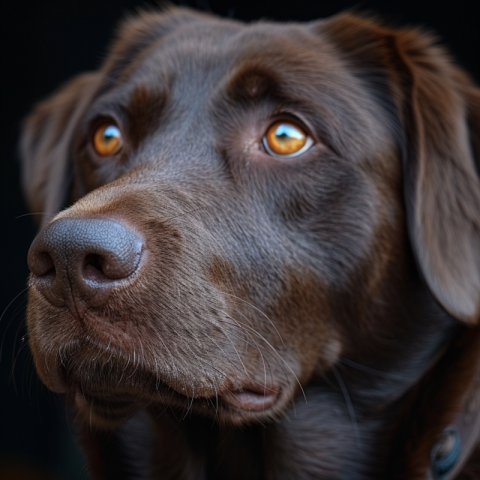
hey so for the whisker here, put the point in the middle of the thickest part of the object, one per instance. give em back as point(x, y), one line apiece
point(225, 355)
point(180, 336)
point(3, 315)
point(167, 406)
point(35, 213)
point(256, 347)
point(258, 310)
point(139, 409)
point(16, 350)
point(348, 402)
point(370, 370)
point(167, 350)
point(189, 404)
point(260, 353)
point(279, 357)
point(14, 363)
point(135, 364)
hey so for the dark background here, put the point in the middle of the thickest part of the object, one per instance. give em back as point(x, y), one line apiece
point(43, 43)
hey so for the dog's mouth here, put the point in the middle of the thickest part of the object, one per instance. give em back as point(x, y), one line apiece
point(115, 403)
point(252, 397)
point(117, 407)
point(108, 411)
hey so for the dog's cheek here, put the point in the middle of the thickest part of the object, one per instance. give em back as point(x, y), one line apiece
point(291, 300)
point(331, 215)
point(305, 314)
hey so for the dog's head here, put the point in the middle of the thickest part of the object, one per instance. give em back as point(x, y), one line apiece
point(250, 203)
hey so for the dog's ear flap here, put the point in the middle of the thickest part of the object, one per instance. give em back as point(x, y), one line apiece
point(439, 112)
point(46, 143)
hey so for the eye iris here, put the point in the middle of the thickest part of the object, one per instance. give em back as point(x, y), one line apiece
point(107, 140)
point(285, 138)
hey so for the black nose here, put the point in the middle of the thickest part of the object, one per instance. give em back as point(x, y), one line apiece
point(77, 262)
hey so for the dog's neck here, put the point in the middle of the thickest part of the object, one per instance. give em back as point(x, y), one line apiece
point(416, 406)
point(440, 431)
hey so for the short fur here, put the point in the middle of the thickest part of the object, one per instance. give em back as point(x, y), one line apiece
point(336, 277)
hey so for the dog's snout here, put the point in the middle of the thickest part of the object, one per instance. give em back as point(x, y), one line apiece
point(81, 260)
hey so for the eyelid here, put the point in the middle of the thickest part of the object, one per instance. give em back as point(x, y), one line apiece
point(105, 119)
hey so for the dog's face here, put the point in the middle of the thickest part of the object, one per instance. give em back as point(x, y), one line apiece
point(255, 173)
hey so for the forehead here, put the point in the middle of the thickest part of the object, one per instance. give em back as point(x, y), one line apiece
point(205, 51)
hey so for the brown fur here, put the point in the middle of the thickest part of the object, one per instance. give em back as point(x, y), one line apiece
point(334, 278)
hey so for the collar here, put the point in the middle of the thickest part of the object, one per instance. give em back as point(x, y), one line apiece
point(458, 441)
point(455, 445)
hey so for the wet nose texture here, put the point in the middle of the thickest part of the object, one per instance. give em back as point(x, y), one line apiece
point(78, 262)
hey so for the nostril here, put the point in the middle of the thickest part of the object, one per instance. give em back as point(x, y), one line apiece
point(93, 268)
point(93, 261)
point(42, 265)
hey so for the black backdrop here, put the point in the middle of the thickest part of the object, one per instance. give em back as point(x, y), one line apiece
point(43, 43)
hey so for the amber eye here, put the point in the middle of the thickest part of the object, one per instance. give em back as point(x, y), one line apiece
point(285, 139)
point(107, 139)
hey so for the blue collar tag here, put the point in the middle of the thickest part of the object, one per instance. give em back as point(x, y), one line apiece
point(445, 453)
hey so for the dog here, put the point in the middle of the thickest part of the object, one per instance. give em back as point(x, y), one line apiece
point(269, 267)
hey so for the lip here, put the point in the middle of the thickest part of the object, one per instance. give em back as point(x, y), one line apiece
point(252, 397)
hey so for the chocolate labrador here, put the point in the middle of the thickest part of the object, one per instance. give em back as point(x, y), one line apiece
point(269, 267)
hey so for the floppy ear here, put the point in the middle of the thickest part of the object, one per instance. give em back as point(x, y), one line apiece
point(46, 143)
point(439, 113)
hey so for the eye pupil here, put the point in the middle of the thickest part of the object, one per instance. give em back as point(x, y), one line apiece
point(107, 140)
point(286, 139)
